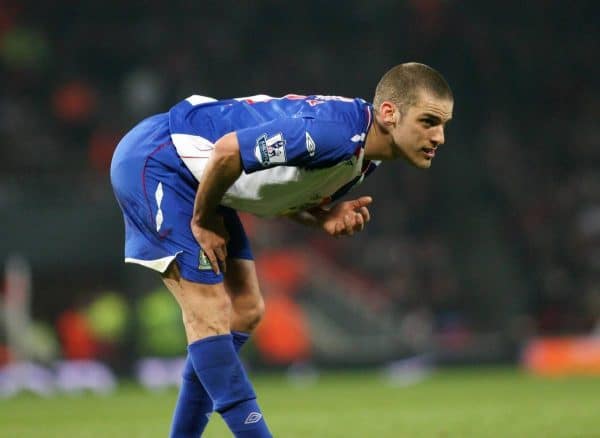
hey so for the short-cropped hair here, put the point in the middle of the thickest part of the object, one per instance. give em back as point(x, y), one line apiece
point(402, 84)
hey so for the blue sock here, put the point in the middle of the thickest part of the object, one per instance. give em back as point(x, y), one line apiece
point(194, 405)
point(193, 408)
point(222, 375)
point(239, 339)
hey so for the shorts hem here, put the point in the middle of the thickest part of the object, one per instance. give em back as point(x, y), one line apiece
point(159, 265)
point(201, 277)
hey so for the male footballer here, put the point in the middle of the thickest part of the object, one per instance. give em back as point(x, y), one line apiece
point(180, 178)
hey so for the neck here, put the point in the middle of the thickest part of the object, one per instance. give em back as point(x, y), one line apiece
point(378, 145)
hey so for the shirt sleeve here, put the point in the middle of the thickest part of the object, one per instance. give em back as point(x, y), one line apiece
point(298, 141)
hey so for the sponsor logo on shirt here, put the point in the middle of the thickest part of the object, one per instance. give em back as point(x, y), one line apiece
point(270, 150)
point(310, 145)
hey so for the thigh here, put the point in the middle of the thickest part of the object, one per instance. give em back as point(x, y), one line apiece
point(206, 308)
point(241, 280)
point(156, 194)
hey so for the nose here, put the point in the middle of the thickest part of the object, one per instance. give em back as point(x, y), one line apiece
point(438, 137)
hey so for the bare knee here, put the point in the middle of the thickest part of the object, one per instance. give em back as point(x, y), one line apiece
point(241, 282)
point(256, 313)
point(209, 316)
point(248, 313)
point(206, 308)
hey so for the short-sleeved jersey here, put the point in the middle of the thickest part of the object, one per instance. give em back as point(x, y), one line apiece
point(297, 152)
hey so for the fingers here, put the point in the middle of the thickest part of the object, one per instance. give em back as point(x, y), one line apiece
point(217, 258)
point(221, 254)
point(363, 201)
point(353, 222)
point(364, 212)
point(212, 259)
point(352, 216)
point(339, 229)
point(348, 225)
point(359, 222)
point(213, 239)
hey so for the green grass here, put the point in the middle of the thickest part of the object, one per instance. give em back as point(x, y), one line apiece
point(455, 403)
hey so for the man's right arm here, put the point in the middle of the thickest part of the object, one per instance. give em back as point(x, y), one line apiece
point(343, 219)
point(222, 170)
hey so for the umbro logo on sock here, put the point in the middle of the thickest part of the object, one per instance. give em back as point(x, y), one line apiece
point(254, 417)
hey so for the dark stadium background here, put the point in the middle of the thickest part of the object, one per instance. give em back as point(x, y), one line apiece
point(498, 244)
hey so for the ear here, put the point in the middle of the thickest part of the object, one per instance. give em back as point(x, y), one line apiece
point(389, 112)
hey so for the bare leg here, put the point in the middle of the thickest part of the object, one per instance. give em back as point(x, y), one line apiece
point(241, 283)
point(206, 308)
point(207, 315)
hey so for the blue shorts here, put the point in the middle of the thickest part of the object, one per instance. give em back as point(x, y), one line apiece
point(156, 192)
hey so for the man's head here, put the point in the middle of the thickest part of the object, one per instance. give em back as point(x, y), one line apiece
point(413, 103)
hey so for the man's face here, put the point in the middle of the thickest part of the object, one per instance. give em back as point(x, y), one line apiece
point(417, 133)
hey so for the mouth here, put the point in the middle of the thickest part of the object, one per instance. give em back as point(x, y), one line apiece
point(428, 152)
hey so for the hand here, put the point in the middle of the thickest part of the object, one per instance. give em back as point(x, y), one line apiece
point(347, 217)
point(212, 236)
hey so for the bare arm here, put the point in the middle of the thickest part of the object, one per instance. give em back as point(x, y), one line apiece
point(310, 218)
point(222, 170)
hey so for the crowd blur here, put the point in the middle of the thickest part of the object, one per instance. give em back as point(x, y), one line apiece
point(502, 234)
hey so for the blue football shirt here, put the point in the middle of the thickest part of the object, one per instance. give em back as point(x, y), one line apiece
point(296, 151)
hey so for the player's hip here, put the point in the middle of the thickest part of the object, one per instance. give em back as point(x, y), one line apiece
point(147, 148)
point(140, 143)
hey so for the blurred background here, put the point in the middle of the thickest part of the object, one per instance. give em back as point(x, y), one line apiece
point(492, 256)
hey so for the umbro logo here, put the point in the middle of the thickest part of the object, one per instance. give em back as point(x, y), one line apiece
point(254, 417)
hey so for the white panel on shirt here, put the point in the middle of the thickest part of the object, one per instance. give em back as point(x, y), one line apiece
point(193, 151)
point(273, 191)
point(285, 189)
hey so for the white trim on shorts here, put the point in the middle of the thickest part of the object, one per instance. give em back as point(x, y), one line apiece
point(159, 265)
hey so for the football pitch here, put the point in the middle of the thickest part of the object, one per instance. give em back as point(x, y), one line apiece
point(450, 403)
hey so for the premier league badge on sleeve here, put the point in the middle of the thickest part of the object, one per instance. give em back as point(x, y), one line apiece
point(270, 150)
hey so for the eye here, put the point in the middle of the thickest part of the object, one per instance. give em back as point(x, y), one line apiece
point(428, 123)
